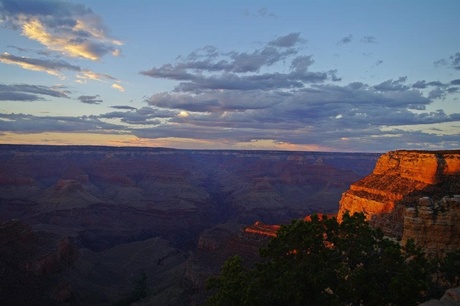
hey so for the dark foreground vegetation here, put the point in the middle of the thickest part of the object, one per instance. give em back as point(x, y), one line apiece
point(322, 262)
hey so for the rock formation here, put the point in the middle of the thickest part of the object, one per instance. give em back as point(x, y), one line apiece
point(389, 196)
point(434, 226)
point(263, 229)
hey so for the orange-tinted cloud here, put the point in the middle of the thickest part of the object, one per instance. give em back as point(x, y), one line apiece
point(118, 87)
point(68, 28)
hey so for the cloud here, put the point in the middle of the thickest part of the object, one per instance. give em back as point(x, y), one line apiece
point(56, 68)
point(262, 12)
point(90, 99)
point(68, 28)
point(392, 85)
point(210, 69)
point(22, 123)
point(452, 62)
point(118, 87)
point(455, 61)
point(279, 97)
point(210, 59)
point(24, 92)
point(218, 101)
point(423, 84)
point(123, 107)
point(322, 114)
point(142, 116)
point(91, 75)
point(53, 67)
point(368, 40)
point(345, 40)
point(286, 41)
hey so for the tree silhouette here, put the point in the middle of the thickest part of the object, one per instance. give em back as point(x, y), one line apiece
point(322, 262)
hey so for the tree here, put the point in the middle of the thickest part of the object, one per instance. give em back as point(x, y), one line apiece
point(322, 262)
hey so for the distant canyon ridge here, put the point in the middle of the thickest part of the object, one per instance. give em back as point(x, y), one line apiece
point(130, 194)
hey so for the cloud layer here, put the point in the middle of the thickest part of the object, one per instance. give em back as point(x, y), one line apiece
point(30, 93)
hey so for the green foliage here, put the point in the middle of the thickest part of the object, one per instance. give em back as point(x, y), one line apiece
point(322, 262)
point(450, 268)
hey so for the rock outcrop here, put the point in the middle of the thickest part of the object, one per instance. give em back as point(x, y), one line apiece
point(263, 229)
point(434, 226)
point(389, 196)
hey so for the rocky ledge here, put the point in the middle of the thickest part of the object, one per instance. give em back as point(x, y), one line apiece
point(389, 196)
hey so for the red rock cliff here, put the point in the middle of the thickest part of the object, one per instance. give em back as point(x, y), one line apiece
point(399, 180)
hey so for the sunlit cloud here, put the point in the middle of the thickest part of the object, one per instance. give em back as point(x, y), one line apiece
point(91, 75)
point(183, 114)
point(118, 87)
point(64, 27)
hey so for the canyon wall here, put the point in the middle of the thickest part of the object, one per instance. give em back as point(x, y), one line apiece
point(389, 196)
point(434, 226)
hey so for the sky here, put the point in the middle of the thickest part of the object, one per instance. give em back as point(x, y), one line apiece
point(345, 76)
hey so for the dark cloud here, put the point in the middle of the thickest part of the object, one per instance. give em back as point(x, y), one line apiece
point(286, 41)
point(455, 82)
point(18, 96)
point(18, 48)
point(209, 69)
point(53, 67)
point(452, 90)
point(216, 101)
point(392, 85)
point(61, 26)
point(453, 61)
point(22, 123)
point(253, 62)
point(144, 115)
point(423, 84)
point(369, 40)
point(24, 92)
point(345, 40)
point(209, 59)
point(90, 99)
point(123, 107)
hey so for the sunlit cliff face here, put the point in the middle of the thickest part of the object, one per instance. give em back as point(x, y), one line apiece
point(394, 198)
point(262, 229)
point(399, 179)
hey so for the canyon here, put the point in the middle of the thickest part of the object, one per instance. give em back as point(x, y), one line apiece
point(109, 214)
point(174, 214)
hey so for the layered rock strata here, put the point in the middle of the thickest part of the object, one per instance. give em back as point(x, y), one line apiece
point(434, 226)
point(399, 180)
